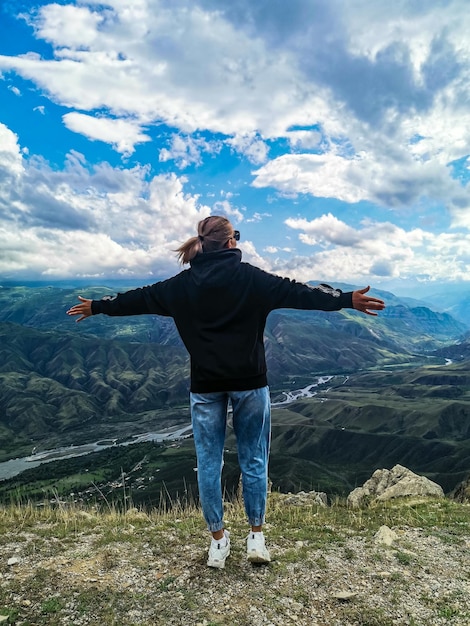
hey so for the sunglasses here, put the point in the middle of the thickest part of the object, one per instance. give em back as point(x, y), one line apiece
point(236, 235)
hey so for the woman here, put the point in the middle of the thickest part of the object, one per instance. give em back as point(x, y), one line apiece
point(220, 306)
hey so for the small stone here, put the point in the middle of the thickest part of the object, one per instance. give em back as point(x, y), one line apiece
point(14, 560)
point(3, 618)
point(345, 595)
point(385, 535)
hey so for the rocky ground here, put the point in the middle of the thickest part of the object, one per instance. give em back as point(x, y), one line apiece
point(404, 563)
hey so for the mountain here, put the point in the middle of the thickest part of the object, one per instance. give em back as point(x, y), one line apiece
point(64, 383)
point(56, 375)
point(459, 351)
point(332, 441)
point(44, 308)
point(63, 388)
point(455, 303)
point(356, 424)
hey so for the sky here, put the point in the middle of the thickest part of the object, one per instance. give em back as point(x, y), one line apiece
point(334, 134)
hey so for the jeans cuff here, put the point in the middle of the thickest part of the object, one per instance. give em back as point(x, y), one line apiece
point(256, 521)
point(213, 528)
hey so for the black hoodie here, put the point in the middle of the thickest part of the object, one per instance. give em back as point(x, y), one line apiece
point(220, 306)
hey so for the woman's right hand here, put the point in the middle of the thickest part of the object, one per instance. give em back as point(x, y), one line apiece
point(83, 309)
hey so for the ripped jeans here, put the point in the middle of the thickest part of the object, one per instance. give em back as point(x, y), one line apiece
point(252, 427)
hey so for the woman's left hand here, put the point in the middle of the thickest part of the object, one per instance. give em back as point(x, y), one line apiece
point(83, 309)
point(366, 304)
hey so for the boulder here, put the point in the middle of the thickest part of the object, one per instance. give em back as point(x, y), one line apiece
point(309, 498)
point(385, 535)
point(462, 492)
point(398, 482)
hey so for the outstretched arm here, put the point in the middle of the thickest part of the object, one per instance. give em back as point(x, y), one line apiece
point(363, 303)
point(83, 309)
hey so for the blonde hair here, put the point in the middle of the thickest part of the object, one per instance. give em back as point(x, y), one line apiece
point(212, 234)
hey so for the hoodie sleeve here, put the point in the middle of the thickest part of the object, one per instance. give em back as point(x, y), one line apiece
point(152, 299)
point(283, 293)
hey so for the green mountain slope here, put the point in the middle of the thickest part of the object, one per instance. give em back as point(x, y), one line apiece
point(330, 442)
point(401, 324)
point(61, 388)
point(418, 418)
point(63, 383)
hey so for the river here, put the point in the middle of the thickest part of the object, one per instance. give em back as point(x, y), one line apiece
point(11, 468)
point(306, 392)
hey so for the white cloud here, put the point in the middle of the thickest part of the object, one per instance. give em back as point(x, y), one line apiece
point(251, 146)
point(326, 228)
point(258, 217)
point(116, 221)
point(187, 150)
point(370, 74)
point(154, 61)
point(68, 26)
point(376, 250)
point(389, 179)
point(11, 161)
point(325, 175)
point(223, 207)
point(90, 218)
point(250, 255)
point(304, 139)
point(375, 93)
point(122, 134)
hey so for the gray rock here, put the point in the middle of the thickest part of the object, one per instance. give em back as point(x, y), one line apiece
point(307, 498)
point(385, 535)
point(462, 492)
point(398, 482)
point(345, 595)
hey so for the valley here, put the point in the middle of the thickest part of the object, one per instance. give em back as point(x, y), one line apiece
point(328, 436)
point(349, 395)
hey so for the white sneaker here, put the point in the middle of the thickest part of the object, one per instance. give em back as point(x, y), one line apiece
point(256, 550)
point(218, 553)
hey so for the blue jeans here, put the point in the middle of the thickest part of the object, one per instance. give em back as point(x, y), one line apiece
point(252, 427)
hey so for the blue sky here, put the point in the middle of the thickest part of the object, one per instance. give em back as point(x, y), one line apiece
point(335, 135)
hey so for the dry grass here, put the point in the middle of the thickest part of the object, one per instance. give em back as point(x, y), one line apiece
point(85, 566)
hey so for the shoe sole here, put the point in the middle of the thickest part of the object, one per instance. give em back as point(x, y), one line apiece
point(256, 557)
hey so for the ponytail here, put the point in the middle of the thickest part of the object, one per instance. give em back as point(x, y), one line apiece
point(213, 234)
point(188, 250)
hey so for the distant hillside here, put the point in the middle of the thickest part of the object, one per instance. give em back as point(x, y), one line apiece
point(459, 351)
point(44, 308)
point(456, 303)
point(52, 383)
point(416, 417)
point(62, 387)
point(330, 442)
point(66, 382)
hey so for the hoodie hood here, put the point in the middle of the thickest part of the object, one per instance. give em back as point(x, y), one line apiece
point(215, 269)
